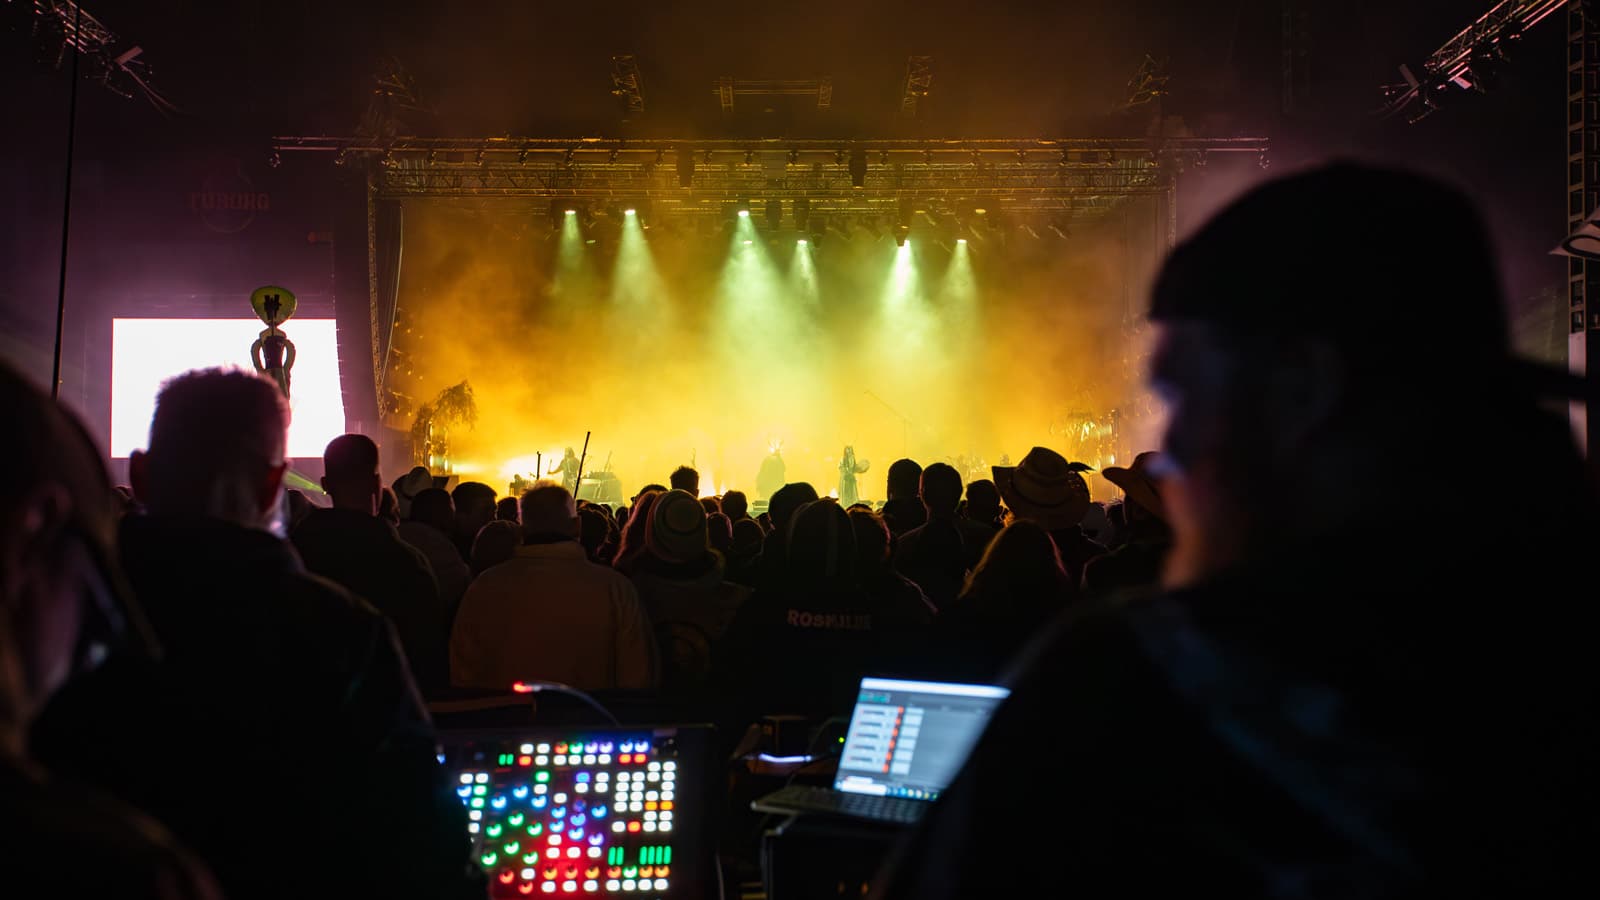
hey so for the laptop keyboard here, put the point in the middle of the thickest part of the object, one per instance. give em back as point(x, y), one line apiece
point(809, 798)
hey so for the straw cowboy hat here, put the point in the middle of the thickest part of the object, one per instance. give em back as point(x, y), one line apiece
point(413, 483)
point(1045, 488)
point(1140, 482)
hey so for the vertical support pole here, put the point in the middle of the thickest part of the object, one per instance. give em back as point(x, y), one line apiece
point(1583, 196)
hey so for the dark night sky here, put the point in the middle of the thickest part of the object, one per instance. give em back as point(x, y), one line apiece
point(242, 71)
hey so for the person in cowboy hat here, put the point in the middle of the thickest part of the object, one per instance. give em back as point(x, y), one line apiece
point(1046, 489)
point(1137, 561)
point(1306, 712)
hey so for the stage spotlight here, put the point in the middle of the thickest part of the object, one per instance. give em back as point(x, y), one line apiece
point(572, 212)
point(794, 157)
point(961, 240)
point(743, 209)
point(685, 167)
point(774, 214)
point(901, 234)
point(858, 168)
point(801, 242)
point(749, 157)
point(908, 208)
point(802, 213)
point(630, 211)
point(748, 243)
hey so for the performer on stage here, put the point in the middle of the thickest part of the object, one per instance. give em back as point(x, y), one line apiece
point(848, 470)
point(773, 474)
point(567, 468)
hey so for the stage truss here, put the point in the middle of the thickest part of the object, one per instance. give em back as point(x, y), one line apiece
point(1054, 178)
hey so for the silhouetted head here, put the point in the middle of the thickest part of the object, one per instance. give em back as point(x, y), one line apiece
point(786, 500)
point(388, 506)
point(711, 505)
point(217, 444)
point(350, 473)
point(872, 537)
point(474, 502)
point(905, 479)
point(686, 479)
point(494, 544)
point(747, 536)
point(1022, 569)
point(433, 506)
point(548, 511)
point(505, 509)
point(941, 491)
point(735, 505)
point(1304, 337)
point(593, 531)
point(983, 501)
point(677, 529)
point(822, 545)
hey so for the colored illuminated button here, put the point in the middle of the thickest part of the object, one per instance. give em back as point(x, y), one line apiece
point(661, 884)
point(512, 848)
point(507, 876)
point(515, 819)
point(520, 792)
point(464, 791)
point(633, 826)
point(666, 802)
point(535, 829)
point(618, 826)
point(495, 829)
point(541, 776)
point(480, 791)
point(524, 760)
point(488, 859)
point(549, 887)
point(529, 859)
point(591, 885)
point(525, 887)
point(613, 885)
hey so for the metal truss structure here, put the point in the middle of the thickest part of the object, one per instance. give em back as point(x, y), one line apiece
point(727, 88)
point(1464, 62)
point(1066, 178)
point(627, 84)
point(114, 62)
point(919, 81)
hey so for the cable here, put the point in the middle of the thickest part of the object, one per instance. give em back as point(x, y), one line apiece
point(539, 687)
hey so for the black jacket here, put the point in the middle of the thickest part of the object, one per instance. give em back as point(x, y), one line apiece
point(366, 555)
point(281, 735)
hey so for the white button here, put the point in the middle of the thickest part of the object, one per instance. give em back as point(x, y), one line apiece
point(588, 759)
point(543, 748)
point(627, 885)
point(526, 748)
point(482, 778)
point(653, 766)
point(669, 766)
point(666, 816)
point(649, 826)
point(605, 759)
point(655, 776)
point(619, 826)
point(613, 885)
point(594, 852)
point(541, 760)
point(540, 788)
point(475, 814)
point(466, 777)
point(661, 884)
point(650, 815)
point(472, 827)
point(561, 760)
point(651, 795)
point(560, 798)
point(581, 788)
point(549, 887)
point(527, 874)
point(590, 885)
point(666, 795)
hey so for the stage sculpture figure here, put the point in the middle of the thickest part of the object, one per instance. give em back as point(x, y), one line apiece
point(772, 474)
point(848, 470)
point(567, 468)
point(273, 352)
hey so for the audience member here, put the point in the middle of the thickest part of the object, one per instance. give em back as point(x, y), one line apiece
point(551, 615)
point(350, 544)
point(433, 520)
point(1016, 589)
point(632, 543)
point(388, 506)
point(58, 595)
point(505, 509)
point(903, 510)
point(802, 642)
point(744, 560)
point(1047, 489)
point(298, 506)
point(407, 486)
point(497, 542)
point(765, 521)
point(300, 689)
point(1308, 712)
point(682, 584)
point(735, 505)
point(475, 506)
point(719, 533)
point(594, 533)
point(890, 591)
point(685, 478)
point(933, 554)
point(979, 520)
point(711, 505)
point(785, 502)
point(1137, 562)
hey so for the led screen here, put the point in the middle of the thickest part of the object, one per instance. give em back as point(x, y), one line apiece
point(146, 352)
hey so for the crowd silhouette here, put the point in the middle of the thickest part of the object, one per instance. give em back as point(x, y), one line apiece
point(1235, 682)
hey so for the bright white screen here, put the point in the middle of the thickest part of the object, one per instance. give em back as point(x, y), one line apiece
point(146, 352)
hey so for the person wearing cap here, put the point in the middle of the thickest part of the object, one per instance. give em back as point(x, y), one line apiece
point(59, 595)
point(292, 682)
point(1046, 489)
point(1137, 560)
point(1305, 712)
point(682, 584)
point(548, 614)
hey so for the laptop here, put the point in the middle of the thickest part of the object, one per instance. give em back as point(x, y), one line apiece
point(610, 811)
point(906, 742)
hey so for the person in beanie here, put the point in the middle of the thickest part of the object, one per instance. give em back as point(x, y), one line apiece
point(682, 584)
point(1307, 713)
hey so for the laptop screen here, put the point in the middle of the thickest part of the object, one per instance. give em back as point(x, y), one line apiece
point(909, 738)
